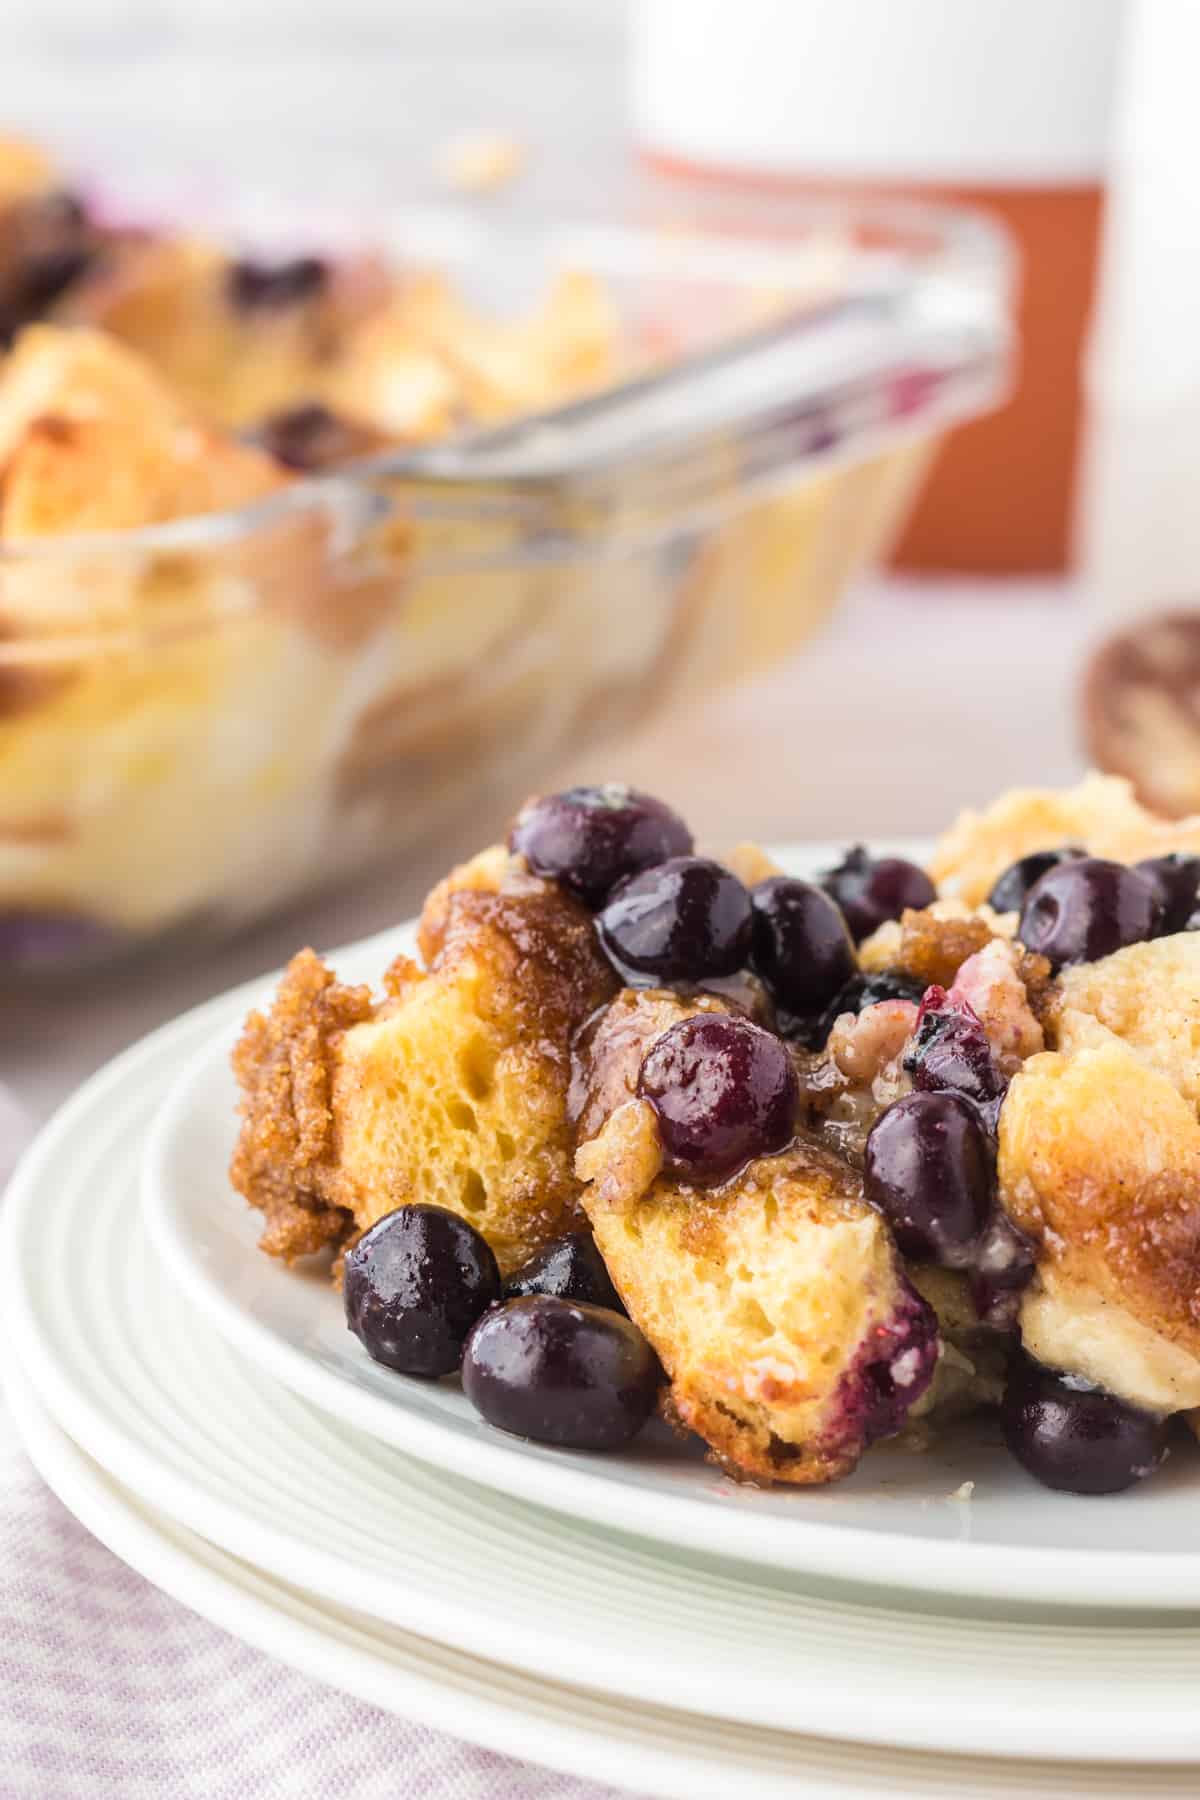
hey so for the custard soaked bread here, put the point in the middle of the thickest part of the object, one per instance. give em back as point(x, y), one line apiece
point(452, 1090)
point(778, 1307)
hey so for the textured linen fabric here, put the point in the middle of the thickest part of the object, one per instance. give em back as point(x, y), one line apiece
point(110, 1690)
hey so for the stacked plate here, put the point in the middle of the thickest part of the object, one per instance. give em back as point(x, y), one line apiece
point(637, 1619)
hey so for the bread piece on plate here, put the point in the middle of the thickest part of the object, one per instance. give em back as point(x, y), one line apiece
point(453, 1091)
point(777, 1303)
point(1100, 1165)
point(779, 1309)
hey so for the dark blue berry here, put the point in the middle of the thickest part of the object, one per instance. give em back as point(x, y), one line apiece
point(570, 1268)
point(561, 1372)
point(723, 1091)
point(859, 992)
point(685, 920)
point(929, 1171)
point(414, 1285)
point(872, 889)
point(950, 1051)
point(801, 946)
point(1009, 890)
point(311, 437)
point(1085, 909)
point(1072, 1435)
point(590, 838)
point(1003, 1264)
point(261, 286)
point(1176, 880)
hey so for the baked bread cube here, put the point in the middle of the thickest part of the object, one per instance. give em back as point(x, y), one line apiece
point(1099, 1164)
point(777, 1303)
point(779, 1309)
point(452, 1091)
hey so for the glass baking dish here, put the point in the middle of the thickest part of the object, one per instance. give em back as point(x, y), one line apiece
point(202, 720)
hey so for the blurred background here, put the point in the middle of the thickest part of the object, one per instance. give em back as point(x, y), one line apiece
point(881, 558)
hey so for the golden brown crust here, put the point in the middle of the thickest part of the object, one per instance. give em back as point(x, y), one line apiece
point(1101, 815)
point(451, 1091)
point(766, 1300)
point(486, 872)
point(933, 949)
point(284, 1161)
point(1100, 1166)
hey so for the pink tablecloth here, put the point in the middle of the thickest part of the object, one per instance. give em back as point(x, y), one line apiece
point(111, 1691)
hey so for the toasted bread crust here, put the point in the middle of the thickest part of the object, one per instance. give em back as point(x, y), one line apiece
point(285, 1160)
point(451, 1090)
point(779, 1309)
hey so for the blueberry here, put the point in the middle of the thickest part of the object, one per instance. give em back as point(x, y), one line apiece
point(590, 838)
point(49, 244)
point(1003, 1265)
point(1082, 910)
point(570, 1268)
point(1009, 890)
point(1072, 1435)
point(801, 946)
point(312, 437)
point(35, 940)
point(723, 1091)
point(892, 1368)
point(255, 286)
point(1176, 880)
point(561, 1372)
point(929, 1171)
point(685, 920)
point(414, 1285)
point(871, 889)
point(859, 992)
point(950, 1051)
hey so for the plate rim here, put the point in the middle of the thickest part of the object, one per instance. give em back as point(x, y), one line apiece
point(201, 1577)
point(188, 1498)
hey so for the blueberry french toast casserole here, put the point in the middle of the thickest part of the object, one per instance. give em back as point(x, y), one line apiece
point(800, 1165)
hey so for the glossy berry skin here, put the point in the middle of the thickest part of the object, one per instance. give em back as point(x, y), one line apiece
point(950, 1052)
point(929, 1171)
point(859, 992)
point(1087, 908)
point(1009, 889)
point(1076, 1437)
point(1176, 880)
point(590, 838)
point(723, 1091)
point(872, 889)
point(260, 287)
point(414, 1285)
point(685, 920)
point(801, 946)
point(561, 1372)
point(1002, 1266)
point(570, 1268)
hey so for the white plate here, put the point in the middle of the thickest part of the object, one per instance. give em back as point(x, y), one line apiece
point(152, 1392)
point(891, 1523)
point(649, 1748)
